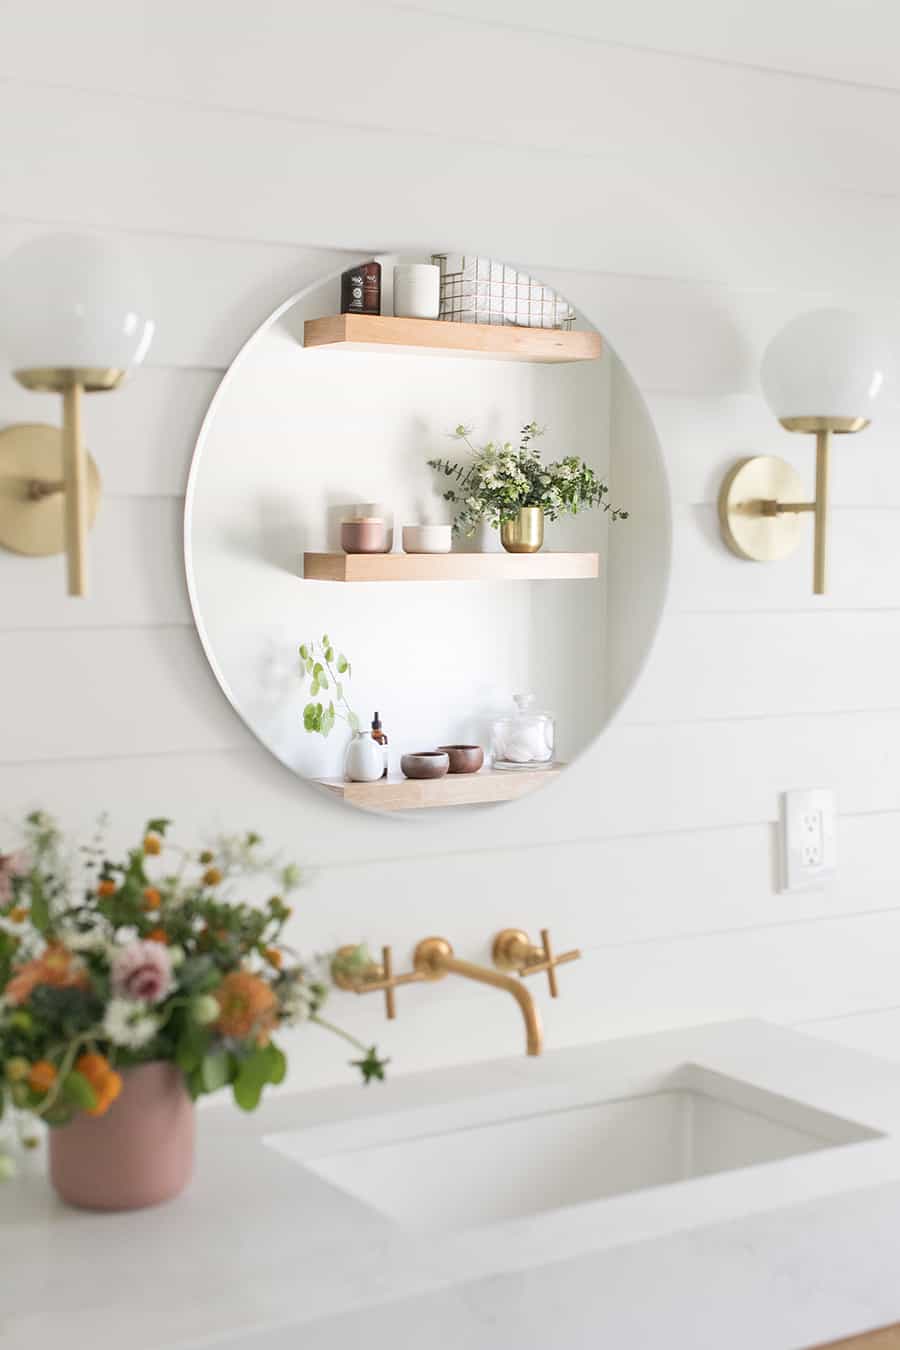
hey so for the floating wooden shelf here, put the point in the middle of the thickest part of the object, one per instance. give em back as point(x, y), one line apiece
point(500, 342)
point(454, 789)
point(543, 566)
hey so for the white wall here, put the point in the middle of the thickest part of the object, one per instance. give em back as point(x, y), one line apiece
point(702, 195)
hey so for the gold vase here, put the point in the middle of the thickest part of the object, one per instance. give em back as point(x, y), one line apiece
point(525, 532)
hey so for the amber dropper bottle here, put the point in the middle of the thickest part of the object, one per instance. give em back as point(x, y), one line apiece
point(379, 735)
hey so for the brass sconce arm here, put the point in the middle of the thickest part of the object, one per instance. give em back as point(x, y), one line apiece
point(761, 499)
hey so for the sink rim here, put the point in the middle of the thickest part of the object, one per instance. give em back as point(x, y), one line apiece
point(810, 1075)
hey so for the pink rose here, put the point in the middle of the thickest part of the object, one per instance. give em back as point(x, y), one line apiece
point(142, 972)
point(11, 865)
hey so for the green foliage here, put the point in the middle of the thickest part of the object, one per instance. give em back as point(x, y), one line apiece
point(319, 663)
point(370, 1066)
point(263, 1065)
point(216, 1069)
point(77, 1090)
point(500, 479)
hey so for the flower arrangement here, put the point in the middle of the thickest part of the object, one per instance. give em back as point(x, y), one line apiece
point(109, 964)
point(326, 669)
point(500, 479)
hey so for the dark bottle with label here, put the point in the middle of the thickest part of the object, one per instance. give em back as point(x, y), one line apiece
point(379, 735)
point(361, 289)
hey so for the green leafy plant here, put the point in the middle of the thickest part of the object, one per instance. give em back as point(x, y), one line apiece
point(109, 963)
point(327, 670)
point(500, 479)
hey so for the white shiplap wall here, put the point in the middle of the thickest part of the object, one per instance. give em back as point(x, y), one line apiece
point(704, 180)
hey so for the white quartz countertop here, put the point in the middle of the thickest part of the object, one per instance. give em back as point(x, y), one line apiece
point(262, 1254)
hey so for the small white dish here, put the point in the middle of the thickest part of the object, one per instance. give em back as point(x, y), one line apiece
point(427, 538)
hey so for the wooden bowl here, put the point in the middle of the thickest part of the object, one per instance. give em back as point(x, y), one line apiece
point(425, 764)
point(464, 758)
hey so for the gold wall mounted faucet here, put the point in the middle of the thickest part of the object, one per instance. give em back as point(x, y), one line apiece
point(514, 950)
point(432, 960)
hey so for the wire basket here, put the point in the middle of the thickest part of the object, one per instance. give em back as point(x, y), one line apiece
point(482, 290)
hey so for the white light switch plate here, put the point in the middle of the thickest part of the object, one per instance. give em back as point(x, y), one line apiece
point(808, 838)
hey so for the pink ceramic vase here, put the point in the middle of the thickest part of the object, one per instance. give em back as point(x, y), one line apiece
point(139, 1153)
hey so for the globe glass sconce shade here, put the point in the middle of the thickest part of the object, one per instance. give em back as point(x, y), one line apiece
point(822, 375)
point(75, 303)
point(826, 365)
point(75, 317)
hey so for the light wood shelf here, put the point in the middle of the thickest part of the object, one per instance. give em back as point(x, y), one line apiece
point(543, 566)
point(454, 789)
point(500, 342)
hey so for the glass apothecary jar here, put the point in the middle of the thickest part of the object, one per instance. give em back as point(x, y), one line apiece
point(524, 740)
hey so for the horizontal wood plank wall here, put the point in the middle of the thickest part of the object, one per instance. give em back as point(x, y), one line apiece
point(721, 205)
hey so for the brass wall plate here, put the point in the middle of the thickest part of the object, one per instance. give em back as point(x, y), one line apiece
point(31, 454)
point(511, 949)
point(746, 531)
point(428, 956)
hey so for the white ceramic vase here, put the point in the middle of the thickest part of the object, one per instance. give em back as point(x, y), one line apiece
point(364, 759)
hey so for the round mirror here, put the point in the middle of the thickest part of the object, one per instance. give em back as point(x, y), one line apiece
point(349, 625)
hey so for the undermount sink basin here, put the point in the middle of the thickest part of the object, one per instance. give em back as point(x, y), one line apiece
point(610, 1144)
point(697, 1124)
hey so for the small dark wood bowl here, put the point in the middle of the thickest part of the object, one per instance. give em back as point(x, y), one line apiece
point(464, 758)
point(425, 764)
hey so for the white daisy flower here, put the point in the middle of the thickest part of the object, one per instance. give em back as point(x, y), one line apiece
point(128, 1024)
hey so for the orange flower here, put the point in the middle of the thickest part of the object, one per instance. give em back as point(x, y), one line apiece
point(56, 967)
point(41, 1076)
point(158, 935)
point(273, 956)
point(247, 1007)
point(212, 876)
point(107, 1084)
point(152, 844)
point(152, 898)
point(107, 888)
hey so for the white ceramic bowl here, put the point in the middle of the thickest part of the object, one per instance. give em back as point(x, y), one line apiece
point(426, 538)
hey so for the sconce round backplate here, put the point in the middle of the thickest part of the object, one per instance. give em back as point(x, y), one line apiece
point(31, 490)
point(749, 532)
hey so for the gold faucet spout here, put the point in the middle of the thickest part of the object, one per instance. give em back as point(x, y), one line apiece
point(434, 958)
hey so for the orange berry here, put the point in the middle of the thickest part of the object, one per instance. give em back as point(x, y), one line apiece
point(107, 888)
point(212, 876)
point(152, 898)
point(112, 1086)
point(152, 844)
point(19, 914)
point(274, 957)
point(41, 1076)
point(158, 935)
point(107, 1084)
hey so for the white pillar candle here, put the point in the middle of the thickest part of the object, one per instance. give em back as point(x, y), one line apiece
point(417, 290)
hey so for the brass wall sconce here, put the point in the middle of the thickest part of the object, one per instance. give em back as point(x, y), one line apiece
point(75, 313)
point(821, 375)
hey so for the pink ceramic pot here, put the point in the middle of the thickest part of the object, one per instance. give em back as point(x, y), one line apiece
point(139, 1153)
